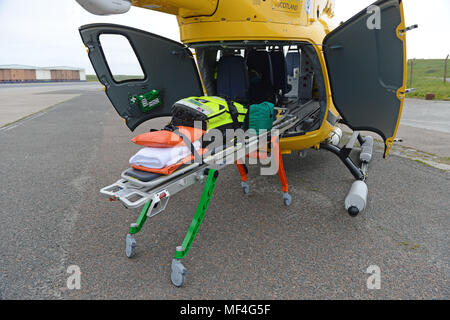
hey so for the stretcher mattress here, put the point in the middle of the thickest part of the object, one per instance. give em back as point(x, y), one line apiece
point(145, 176)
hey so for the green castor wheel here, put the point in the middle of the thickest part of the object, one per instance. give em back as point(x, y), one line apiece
point(178, 273)
point(245, 187)
point(287, 199)
point(130, 248)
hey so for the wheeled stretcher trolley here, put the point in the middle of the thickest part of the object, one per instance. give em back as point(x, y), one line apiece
point(152, 191)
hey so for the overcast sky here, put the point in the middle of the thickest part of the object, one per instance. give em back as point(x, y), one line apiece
point(45, 32)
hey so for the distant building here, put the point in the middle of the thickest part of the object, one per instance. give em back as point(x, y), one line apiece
point(19, 73)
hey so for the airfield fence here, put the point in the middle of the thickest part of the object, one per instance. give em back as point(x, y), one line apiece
point(429, 77)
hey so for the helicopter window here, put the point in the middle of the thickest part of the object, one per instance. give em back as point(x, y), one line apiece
point(121, 58)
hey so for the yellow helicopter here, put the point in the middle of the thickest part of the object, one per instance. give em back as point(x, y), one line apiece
point(287, 52)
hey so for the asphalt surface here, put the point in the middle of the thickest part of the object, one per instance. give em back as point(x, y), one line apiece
point(249, 246)
point(18, 101)
point(431, 115)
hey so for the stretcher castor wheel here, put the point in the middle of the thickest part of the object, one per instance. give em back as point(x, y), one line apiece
point(130, 248)
point(245, 187)
point(287, 199)
point(178, 273)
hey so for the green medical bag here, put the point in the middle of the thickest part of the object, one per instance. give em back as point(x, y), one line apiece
point(260, 117)
point(147, 101)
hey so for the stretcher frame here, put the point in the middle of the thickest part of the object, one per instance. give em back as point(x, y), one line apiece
point(154, 195)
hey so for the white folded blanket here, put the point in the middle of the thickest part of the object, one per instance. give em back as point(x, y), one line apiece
point(158, 158)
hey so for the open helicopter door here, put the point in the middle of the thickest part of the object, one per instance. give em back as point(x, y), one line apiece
point(366, 62)
point(170, 73)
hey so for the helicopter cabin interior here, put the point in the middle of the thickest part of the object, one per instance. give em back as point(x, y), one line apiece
point(287, 74)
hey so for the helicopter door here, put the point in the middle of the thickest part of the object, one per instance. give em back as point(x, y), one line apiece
point(366, 62)
point(169, 73)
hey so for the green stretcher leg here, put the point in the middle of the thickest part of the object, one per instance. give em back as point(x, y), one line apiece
point(136, 227)
point(205, 199)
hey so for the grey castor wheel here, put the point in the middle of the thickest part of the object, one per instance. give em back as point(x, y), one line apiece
point(245, 187)
point(178, 273)
point(287, 199)
point(130, 248)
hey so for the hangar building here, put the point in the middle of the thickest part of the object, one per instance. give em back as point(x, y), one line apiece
point(19, 73)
